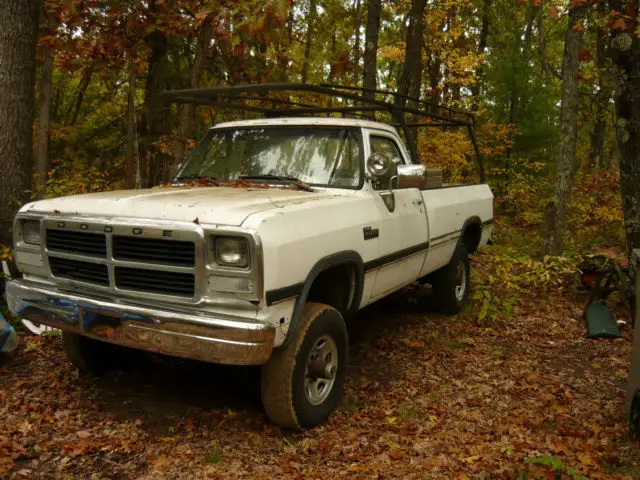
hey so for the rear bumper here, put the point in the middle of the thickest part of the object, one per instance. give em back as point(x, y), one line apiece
point(199, 336)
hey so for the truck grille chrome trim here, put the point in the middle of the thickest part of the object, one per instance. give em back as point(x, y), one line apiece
point(149, 250)
point(76, 270)
point(126, 259)
point(168, 283)
point(94, 244)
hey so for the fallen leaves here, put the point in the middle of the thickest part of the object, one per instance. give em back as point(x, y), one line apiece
point(425, 394)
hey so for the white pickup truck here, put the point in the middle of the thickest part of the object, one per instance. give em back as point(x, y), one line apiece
point(273, 232)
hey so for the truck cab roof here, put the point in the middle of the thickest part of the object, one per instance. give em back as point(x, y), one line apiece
point(303, 121)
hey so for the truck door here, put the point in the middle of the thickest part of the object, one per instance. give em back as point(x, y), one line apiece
point(403, 230)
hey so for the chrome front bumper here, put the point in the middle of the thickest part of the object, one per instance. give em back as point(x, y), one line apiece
point(200, 336)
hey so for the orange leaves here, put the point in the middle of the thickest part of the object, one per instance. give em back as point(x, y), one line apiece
point(620, 24)
point(585, 55)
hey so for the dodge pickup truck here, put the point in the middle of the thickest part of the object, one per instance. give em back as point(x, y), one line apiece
point(271, 234)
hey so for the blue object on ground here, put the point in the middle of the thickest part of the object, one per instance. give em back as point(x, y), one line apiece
point(8, 336)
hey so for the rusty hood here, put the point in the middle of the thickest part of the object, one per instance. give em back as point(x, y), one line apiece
point(210, 205)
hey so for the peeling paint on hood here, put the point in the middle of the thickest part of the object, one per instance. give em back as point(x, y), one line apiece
point(210, 205)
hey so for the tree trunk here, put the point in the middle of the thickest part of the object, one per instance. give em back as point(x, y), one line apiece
point(132, 161)
point(596, 153)
point(74, 109)
point(156, 111)
point(371, 46)
point(333, 59)
point(356, 46)
point(482, 46)
point(512, 126)
point(556, 209)
point(411, 76)
point(413, 52)
point(285, 44)
point(625, 50)
point(434, 71)
point(18, 34)
point(44, 118)
point(311, 20)
point(187, 110)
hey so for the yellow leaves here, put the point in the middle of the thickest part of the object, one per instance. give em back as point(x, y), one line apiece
point(159, 463)
point(5, 253)
point(470, 459)
point(389, 52)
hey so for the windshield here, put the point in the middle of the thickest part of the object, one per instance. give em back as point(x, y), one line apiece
point(320, 156)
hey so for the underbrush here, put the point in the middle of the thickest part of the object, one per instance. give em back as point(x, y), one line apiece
point(514, 265)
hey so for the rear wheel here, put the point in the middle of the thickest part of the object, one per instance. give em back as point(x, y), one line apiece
point(451, 283)
point(302, 382)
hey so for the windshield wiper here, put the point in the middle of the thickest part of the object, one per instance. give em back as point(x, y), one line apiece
point(211, 179)
point(279, 178)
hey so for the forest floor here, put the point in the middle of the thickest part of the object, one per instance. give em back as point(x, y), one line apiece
point(426, 397)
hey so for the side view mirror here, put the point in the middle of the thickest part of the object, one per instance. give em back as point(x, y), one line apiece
point(380, 166)
point(412, 176)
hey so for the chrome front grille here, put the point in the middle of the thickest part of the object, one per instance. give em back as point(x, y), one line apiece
point(149, 250)
point(126, 259)
point(166, 283)
point(95, 273)
point(84, 243)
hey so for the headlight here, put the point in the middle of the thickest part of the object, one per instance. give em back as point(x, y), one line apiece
point(31, 232)
point(232, 252)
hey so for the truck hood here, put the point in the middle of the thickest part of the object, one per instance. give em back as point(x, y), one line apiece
point(210, 205)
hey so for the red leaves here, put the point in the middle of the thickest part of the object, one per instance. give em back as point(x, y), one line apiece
point(585, 55)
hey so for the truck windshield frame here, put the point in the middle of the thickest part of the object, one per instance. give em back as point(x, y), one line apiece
point(321, 156)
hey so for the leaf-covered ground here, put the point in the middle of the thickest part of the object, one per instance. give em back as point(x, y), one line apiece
point(426, 397)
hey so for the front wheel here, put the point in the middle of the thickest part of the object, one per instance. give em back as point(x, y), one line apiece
point(302, 382)
point(451, 283)
point(95, 357)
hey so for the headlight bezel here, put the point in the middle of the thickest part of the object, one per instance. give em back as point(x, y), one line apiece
point(19, 240)
point(34, 232)
point(216, 291)
point(220, 242)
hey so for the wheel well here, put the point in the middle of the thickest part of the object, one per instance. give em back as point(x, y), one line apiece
point(335, 286)
point(471, 236)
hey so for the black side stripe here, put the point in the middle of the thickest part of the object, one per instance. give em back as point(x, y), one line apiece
point(293, 291)
point(442, 237)
point(284, 293)
point(394, 257)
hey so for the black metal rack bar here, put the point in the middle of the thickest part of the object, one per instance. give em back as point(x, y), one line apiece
point(256, 99)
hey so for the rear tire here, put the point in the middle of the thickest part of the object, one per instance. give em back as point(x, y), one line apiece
point(451, 283)
point(302, 382)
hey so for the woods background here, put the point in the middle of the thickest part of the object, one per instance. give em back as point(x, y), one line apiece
point(508, 389)
point(554, 84)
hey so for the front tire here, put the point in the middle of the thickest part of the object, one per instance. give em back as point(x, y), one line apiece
point(451, 283)
point(302, 382)
point(96, 357)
